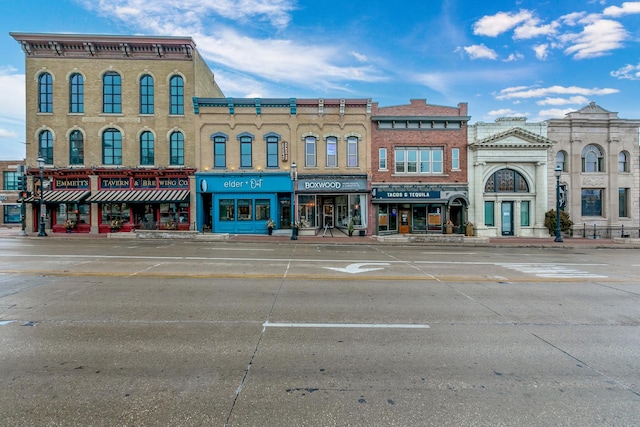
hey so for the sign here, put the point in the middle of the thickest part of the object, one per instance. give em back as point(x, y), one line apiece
point(173, 182)
point(402, 193)
point(71, 183)
point(144, 183)
point(332, 185)
point(115, 183)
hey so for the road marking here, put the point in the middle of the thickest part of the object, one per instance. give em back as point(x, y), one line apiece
point(347, 325)
point(554, 271)
point(6, 322)
point(357, 267)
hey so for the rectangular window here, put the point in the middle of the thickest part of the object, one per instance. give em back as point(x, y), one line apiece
point(524, 214)
point(263, 209)
point(245, 152)
point(352, 152)
point(592, 202)
point(382, 159)
point(310, 151)
point(623, 202)
point(11, 214)
point(332, 152)
point(272, 152)
point(219, 152)
point(244, 210)
point(227, 210)
point(455, 159)
point(419, 160)
point(10, 181)
point(489, 214)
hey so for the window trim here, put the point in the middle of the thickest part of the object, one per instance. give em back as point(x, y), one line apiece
point(45, 93)
point(176, 148)
point(147, 94)
point(76, 93)
point(414, 159)
point(147, 145)
point(219, 140)
point(352, 158)
point(176, 95)
point(382, 159)
point(116, 159)
point(331, 140)
point(73, 141)
point(113, 100)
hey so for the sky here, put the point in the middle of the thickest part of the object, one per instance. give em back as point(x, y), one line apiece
point(538, 59)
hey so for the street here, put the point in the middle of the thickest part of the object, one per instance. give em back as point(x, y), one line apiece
point(108, 332)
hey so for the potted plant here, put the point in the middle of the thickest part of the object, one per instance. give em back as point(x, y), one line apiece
point(351, 226)
point(270, 226)
point(448, 227)
point(115, 224)
point(468, 229)
point(69, 224)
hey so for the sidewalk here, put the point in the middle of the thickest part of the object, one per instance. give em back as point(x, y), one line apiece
point(339, 238)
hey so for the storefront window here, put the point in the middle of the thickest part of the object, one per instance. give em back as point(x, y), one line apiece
point(359, 210)
point(244, 210)
point(227, 210)
point(263, 209)
point(72, 212)
point(489, 214)
point(524, 214)
point(111, 211)
point(419, 218)
point(307, 211)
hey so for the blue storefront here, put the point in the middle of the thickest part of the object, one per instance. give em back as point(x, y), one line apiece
point(241, 203)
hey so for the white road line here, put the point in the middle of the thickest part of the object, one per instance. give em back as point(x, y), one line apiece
point(555, 271)
point(347, 325)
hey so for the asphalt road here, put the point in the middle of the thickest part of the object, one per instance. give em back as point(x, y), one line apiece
point(180, 333)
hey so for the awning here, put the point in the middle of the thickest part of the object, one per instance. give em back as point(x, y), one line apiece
point(60, 196)
point(138, 196)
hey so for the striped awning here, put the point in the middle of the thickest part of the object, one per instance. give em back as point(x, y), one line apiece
point(138, 196)
point(60, 196)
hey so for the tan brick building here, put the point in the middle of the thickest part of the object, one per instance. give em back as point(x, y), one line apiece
point(419, 168)
point(111, 118)
point(292, 160)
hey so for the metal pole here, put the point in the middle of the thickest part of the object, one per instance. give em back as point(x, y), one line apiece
point(558, 232)
point(42, 233)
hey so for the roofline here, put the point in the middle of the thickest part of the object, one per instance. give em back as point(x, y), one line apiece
point(75, 37)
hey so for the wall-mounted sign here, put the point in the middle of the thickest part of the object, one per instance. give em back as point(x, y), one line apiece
point(71, 183)
point(115, 183)
point(173, 182)
point(401, 193)
point(285, 151)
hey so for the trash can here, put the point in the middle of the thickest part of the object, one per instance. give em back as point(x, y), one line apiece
point(294, 233)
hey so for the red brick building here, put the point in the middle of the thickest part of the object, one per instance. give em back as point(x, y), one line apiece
point(419, 168)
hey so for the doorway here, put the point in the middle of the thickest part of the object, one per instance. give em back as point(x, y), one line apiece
point(507, 218)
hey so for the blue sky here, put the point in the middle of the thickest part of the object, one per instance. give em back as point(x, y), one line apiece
point(538, 59)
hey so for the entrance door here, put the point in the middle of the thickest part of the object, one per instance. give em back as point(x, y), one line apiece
point(285, 213)
point(507, 218)
point(327, 216)
point(404, 221)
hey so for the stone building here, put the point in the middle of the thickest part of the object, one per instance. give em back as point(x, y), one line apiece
point(597, 153)
point(111, 119)
point(301, 161)
point(419, 168)
point(509, 177)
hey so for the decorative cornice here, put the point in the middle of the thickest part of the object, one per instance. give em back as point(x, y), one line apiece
point(534, 140)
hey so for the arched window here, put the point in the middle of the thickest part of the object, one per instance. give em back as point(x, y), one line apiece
point(146, 148)
point(146, 94)
point(111, 147)
point(45, 93)
point(76, 148)
point(506, 181)
point(112, 93)
point(623, 162)
point(352, 151)
point(176, 148)
point(176, 101)
point(219, 149)
point(332, 152)
point(310, 151)
point(592, 159)
point(561, 160)
point(45, 146)
point(76, 93)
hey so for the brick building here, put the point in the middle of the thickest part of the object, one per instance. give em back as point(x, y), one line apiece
point(419, 168)
point(110, 118)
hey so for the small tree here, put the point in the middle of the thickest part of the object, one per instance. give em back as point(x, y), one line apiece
point(550, 221)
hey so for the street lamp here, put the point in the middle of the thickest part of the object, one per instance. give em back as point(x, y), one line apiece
point(42, 210)
point(558, 172)
point(294, 178)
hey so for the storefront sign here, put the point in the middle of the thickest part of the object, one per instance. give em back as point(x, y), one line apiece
point(336, 185)
point(245, 183)
point(173, 182)
point(404, 194)
point(71, 183)
point(115, 183)
point(144, 183)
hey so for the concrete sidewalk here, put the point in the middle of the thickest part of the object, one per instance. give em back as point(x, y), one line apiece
point(339, 238)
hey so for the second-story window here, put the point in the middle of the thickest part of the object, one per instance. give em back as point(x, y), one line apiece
point(455, 159)
point(352, 152)
point(45, 93)
point(76, 93)
point(111, 147)
point(45, 146)
point(176, 149)
point(592, 159)
point(382, 159)
point(176, 101)
point(112, 93)
point(146, 94)
point(219, 150)
point(310, 151)
point(332, 152)
point(418, 160)
point(76, 148)
point(245, 151)
point(146, 148)
point(272, 151)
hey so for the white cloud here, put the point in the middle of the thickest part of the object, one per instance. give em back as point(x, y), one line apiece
point(480, 51)
point(504, 112)
point(514, 57)
point(628, 72)
point(542, 51)
point(522, 92)
point(531, 29)
point(564, 101)
point(628, 8)
point(554, 113)
point(596, 39)
point(359, 56)
point(494, 25)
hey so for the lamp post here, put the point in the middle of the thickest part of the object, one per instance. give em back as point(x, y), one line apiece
point(294, 178)
point(42, 233)
point(558, 172)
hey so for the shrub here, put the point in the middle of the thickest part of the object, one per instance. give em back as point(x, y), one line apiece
point(550, 221)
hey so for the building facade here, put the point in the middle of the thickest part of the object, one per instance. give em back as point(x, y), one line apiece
point(597, 153)
point(10, 199)
point(509, 177)
point(419, 168)
point(110, 119)
point(296, 161)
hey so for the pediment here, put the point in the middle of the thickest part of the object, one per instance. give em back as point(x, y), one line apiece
point(513, 138)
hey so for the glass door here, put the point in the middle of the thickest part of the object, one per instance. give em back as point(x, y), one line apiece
point(507, 218)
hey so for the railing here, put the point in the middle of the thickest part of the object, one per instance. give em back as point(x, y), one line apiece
point(608, 232)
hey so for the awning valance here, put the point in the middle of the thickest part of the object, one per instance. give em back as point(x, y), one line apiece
point(60, 196)
point(138, 196)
